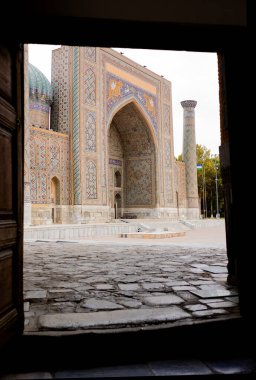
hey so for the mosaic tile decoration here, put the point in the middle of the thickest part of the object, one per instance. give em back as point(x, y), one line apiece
point(91, 180)
point(113, 161)
point(90, 87)
point(75, 141)
point(32, 153)
point(139, 182)
point(60, 88)
point(130, 134)
point(33, 187)
point(168, 188)
point(167, 154)
point(54, 156)
point(90, 132)
point(115, 143)
point(37, 105)
point(39, 85)
point(118, 89)
point(90, 53)
point(42, 188)
point(41, 155)
point(166, 120)
point(50, 156)
point(167, 92)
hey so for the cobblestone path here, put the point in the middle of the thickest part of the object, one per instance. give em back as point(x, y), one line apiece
point(80, 285)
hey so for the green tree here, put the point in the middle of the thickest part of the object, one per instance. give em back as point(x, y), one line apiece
point(207, 176)
point(211, 165)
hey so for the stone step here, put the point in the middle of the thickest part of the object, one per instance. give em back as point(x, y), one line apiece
point(153, 235)
point(115, 318)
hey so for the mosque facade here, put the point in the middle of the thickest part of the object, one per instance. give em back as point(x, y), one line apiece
point(99, 142)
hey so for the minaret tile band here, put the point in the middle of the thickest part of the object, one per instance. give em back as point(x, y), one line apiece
point(76, 140)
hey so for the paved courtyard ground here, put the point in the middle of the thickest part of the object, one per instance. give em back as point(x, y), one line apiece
point(112, 282)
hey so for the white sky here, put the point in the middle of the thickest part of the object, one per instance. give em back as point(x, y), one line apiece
point(194, 76)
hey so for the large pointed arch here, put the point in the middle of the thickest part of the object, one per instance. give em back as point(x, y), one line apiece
point(132, 147)
point(131, 99)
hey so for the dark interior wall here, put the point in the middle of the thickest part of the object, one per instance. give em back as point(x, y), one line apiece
point(213, 12)
point(196, 25)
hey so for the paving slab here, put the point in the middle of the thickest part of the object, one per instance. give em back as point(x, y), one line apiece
point(97, 304)
point(35, 294)
point(169, 299)
point(212, 293)
point(216, 269)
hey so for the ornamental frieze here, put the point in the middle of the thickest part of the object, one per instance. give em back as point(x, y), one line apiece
point(118, 89)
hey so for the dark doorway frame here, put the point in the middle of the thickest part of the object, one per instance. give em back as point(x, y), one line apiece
point(230, 42)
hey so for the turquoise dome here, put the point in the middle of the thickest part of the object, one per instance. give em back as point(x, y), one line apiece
point(39, 86)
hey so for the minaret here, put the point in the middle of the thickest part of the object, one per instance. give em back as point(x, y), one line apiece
point(189, 157)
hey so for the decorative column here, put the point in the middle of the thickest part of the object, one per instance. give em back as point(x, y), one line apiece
point(189, 157)
point(27, 199)
point(76, 138)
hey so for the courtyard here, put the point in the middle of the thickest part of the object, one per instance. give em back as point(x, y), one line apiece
point(112, 282)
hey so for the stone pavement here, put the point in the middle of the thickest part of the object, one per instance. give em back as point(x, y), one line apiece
point(111, 282)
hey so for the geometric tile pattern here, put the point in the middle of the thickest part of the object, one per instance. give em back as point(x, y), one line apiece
point(54, 156)
point(60, 87)
point(131, 145)
point(115, 143)
point(113, 161)
point(168, 187)
point(167, 92)
point(90, 87)
point(38, 105)
point(91, 180)
point(133, 133)
point(166, 120)
point(50, 158)
point(90, 53)
point(42, 155)
point(167, 154)
point(33, 187)
point(76, 140)
point(42, 188)
point(39, 85)
point(168, 178)
point(90, 133)
point(139, 182)
point(32, 153)
point(119, 89)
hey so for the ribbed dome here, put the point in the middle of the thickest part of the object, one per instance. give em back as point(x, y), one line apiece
point(39, 86)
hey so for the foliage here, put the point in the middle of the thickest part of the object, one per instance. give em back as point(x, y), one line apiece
point(210, 164)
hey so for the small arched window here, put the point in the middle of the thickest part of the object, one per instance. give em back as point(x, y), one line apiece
point(117, 179)
point(55, 191)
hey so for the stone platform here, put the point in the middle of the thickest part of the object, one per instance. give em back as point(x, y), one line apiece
point(153, 235)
